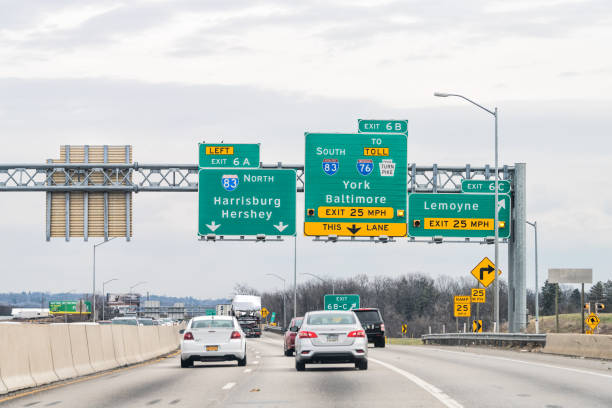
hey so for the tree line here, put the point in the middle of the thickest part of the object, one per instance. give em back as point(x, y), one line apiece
point(421, 301)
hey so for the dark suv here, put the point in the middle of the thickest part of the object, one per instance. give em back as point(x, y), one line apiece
point(373, 324)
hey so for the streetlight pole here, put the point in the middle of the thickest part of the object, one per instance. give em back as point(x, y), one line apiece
point(132, 288)
point(94, 279)
point(284, 306)
point(496, 216)
point(537, 288)
point(322, 280)
point(103, 297)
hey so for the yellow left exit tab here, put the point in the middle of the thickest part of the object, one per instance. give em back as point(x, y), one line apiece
point(220, 150)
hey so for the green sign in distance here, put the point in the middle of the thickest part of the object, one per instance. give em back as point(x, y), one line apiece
point(210, 312)
point(457, 215)
point(341, 302)
point(272, 317)
point(246, 202)
point(484, 186)
point(68, 307)
point(355, 184)
point(228, 155)
point(382, 126)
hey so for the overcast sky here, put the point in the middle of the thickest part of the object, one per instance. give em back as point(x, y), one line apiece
point(164, 75)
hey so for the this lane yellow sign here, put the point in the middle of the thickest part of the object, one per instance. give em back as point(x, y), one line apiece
point(355, 229)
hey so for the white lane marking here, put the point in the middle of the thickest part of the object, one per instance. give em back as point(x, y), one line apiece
point(228, 386)
point(248, 370)
point(433, 390)
point(255, 362)
point(575, 370)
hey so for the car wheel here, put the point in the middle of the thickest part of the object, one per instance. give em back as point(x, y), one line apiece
point(300, 366)
point(242, 363)
point(186, 363)
point(288, 353)
point(361, 364)
point(380, 343)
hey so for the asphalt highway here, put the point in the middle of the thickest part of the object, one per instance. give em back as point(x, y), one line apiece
point(398, 376)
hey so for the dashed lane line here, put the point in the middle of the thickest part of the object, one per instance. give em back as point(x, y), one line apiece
point(433, 390)
point(228, 386)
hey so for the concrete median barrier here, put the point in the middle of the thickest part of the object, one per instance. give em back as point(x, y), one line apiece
point(14, 365)
point(39, 354)
point(132, 344)
point(147, 336)
point(80, 349)
point(119, 345)
point(583, 345)
point(61, 351)
point(100, 344)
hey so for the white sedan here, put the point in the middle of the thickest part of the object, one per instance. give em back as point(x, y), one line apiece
point(213, 338)
point(331, 337)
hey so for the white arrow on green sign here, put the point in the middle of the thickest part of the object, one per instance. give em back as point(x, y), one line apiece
point(246, 202)
point(341, 302)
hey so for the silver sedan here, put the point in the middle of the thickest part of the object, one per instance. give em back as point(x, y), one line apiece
point(331, 337)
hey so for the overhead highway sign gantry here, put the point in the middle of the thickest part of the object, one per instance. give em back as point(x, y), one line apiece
point(228, 155)
point(355, 184)
point(246, 202)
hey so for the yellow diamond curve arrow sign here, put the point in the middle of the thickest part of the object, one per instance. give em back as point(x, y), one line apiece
point(264, 312)
point(483, 272)
point(592, 320)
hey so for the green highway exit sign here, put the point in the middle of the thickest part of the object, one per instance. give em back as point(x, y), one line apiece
point(382, 126)
point(457, 215)
point(484, 186)
point(341, 302)
point(228, 155)
point(246, 202)
point(355, 184)
point(69, 307)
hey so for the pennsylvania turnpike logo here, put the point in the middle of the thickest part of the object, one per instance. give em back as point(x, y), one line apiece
point(387, 168)
point(365, 166)
point(229, 181)
point(330, 166)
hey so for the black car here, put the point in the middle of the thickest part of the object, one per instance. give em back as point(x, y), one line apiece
point(372, 322)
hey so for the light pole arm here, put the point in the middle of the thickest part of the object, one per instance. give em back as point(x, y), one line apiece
point(474, 103)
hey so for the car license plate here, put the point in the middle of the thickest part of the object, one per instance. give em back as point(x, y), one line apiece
point(332, 338)
point(212, 348)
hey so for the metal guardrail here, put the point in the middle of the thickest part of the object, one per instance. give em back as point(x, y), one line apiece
point(484, 338)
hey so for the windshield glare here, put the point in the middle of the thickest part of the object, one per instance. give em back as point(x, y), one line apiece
point(319, 319)
point(209, 324)
point(368, 316)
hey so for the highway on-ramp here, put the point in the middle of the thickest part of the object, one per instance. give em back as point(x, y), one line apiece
point(398, 376)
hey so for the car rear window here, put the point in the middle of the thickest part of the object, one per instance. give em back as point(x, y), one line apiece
point(368, 315)
point(330, 318)
point(211, 324)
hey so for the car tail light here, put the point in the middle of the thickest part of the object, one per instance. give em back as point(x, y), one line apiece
point(236, 335)
point(356, 333)
point(360, 351)
point(307, 335)
point(382, 327)
point(188, 336)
